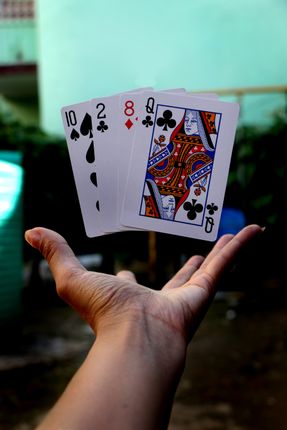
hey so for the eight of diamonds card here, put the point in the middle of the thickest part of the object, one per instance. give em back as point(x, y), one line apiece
point(179, 165)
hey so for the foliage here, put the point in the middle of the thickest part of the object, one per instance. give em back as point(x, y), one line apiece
point(255, 185)
point(258, 170)
point(256, 177)
point(16, 136)
point(49, 191)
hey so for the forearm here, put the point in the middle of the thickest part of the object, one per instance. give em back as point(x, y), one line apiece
point(127, 381)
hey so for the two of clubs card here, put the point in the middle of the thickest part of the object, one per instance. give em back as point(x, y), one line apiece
point(151, 160)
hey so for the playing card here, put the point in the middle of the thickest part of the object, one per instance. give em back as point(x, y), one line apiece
point(80, 140)
point(129, 108)
point(104, 113)
point(179, 165)
point(204, 95)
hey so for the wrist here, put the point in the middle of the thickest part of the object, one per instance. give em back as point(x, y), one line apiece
point(142, 363)
point(146, 338)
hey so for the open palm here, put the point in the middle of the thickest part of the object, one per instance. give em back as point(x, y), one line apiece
point(107, 300)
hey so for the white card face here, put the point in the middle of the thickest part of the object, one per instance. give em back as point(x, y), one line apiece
point(129, 109)
point(179, 165)
point(174, 90)
point(81, 146)
point(104, 113)
point(204, 95)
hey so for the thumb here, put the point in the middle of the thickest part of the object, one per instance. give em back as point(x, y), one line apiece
point(54, 248)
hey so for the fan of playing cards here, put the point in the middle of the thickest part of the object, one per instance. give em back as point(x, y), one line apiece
point(151, 160)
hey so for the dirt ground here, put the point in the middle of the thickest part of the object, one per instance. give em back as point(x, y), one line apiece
point(235, 376)
point(236, 372)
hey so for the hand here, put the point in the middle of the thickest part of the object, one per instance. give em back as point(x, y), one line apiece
point(131, 373)
point(106, 301)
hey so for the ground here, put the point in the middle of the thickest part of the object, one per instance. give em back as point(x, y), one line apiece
point(235, 376)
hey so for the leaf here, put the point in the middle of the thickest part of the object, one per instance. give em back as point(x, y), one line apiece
point(262, 201)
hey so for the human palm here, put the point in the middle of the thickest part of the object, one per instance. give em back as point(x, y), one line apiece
point(106, 300)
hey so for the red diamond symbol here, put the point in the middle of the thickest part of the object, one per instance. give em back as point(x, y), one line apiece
point(129, 123)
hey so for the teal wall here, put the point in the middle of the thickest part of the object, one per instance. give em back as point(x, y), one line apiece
point(11, 236)
point(18, 42)
point(97, 48)
point(18, 46)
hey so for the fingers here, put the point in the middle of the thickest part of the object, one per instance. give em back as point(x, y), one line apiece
point(223, 241)
point(184, 274)
point(199, 290)
point(127, 275)
point(226, 250)
point(55, 250)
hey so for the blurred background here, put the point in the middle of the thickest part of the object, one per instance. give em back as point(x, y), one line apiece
point(54, 54)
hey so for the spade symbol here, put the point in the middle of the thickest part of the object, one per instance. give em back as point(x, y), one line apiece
point(86, 126)
point(93, 178)
point(74, 135)
point(90, 155)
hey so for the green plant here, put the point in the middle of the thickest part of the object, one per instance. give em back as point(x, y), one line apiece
point(256, 185)
point(258, 172)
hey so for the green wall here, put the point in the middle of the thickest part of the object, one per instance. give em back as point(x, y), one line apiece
point(97, 48)
point(19, 42)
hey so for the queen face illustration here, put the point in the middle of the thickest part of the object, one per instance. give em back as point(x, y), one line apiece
point(168, 206)
point(190, 123)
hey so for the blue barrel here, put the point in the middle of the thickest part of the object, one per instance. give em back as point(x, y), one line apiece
point(232, 221)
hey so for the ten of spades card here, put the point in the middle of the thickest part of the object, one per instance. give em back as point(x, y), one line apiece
point(80, 139)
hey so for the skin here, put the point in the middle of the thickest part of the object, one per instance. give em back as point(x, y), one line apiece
point(129, 378)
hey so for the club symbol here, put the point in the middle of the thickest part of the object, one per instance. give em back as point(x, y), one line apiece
point(147, 122)
point(212, 208)
point(166, 120)
point(102, 127)
point(192, 209)
point(74, 135)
